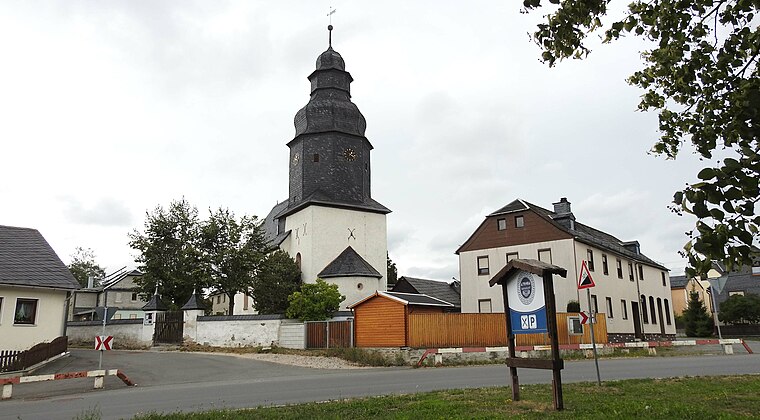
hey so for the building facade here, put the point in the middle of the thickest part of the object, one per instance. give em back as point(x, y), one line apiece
point(330, 224)
point(632, 290)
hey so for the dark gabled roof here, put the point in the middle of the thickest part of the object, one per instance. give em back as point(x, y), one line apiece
point(193, 303)
point(155, 304)
point(439, 289)
point(405, 299)
point(271, 231)
point(349, 264)
point(595, 237)
point(320, 198)
point(26, 259)
point(678, 282)
point(418, 299)
point(117, 276)
point(517, 205)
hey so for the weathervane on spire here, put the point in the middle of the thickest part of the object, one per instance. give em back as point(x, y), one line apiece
point(330, 27)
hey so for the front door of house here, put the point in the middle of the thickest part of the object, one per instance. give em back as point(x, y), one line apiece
point(637, 332)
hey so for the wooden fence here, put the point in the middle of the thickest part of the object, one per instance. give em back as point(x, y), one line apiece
point(19, 360)
point(489, 330)
point(329, 334)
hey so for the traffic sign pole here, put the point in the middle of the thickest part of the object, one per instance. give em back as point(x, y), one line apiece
point(593, 338)
point(100, 359)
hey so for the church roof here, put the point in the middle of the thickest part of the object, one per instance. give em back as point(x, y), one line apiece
point(320, 198)
point(330, 59)
point(349, 264)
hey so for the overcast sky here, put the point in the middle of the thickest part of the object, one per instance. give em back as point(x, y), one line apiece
point(108, 109)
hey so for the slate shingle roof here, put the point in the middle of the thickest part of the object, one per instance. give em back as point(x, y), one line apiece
point(26, 259)
point(155, 304)
point(349, 264)
point(438, 289)
point(581, 232)
point(418, 299)
point(678, 282)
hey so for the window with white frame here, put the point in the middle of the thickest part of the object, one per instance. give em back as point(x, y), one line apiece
point(134, 297)
point(630, 271)
point(609, 306)
point(594, 304)
point(501, 224)
point(590, 259)
point(519, 221)
point(512, 256)
point(605, 267)
point(641, 272)
point(619, 265)
point(484, 306)
point(545, 255)
point(624, 308)
point(483, 265)
point(574, 326)
point(26, 312)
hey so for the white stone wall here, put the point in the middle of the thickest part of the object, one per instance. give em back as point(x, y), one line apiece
point(238, 333)
point(127, 335)
point(319, 234)
point(48, 322)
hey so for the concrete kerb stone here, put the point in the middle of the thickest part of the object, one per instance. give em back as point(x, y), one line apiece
point(535, 351)
point(99, 376)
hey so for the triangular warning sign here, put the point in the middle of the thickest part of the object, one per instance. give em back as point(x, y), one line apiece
point(585, 281)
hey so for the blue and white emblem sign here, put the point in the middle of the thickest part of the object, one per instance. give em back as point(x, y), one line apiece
point(527, 306)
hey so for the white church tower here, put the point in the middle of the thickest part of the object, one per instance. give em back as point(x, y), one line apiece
point(330, 224)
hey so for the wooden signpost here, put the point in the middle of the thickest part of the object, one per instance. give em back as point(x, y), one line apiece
point(529, 308)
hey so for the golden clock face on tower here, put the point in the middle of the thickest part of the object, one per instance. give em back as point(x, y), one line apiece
point(349, 154)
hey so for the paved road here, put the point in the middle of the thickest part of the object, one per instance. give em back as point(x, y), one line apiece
point(232, 382)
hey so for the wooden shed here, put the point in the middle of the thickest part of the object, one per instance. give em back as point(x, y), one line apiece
point(382, 319)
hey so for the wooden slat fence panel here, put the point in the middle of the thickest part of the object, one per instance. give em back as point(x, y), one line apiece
point(479, 330)
point(19, 360)
point(329, 334)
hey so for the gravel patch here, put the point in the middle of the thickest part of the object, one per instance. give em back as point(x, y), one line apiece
point(314, 362)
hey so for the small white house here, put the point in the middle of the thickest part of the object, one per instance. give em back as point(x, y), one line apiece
point(35, 288)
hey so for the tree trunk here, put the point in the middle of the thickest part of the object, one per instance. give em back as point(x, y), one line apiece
point(231, 300)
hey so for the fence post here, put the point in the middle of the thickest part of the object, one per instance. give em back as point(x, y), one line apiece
point(327, 335)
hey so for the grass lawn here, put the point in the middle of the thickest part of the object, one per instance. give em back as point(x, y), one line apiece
point(696, 397)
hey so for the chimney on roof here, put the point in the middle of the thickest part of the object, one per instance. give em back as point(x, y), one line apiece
point(632, 246)
point(563, 215)
point(90, 282)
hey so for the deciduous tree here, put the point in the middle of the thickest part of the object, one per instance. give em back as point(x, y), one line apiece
point(315, 302)
point(278, 278)
point(701, 75)
point(392, 272)
point(83, 266)
point(741, 309)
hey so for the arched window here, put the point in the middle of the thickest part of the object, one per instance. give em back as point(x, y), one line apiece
point(653, 310)
point(667, 311)
point(644, 312)
point(298, 260)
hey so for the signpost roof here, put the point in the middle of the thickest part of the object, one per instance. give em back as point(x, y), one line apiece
point(531, 266)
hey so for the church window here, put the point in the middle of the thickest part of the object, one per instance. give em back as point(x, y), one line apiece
point(316, 157)
point(519, 221)
point(501, 224)
point(298, 260)
point(483, 266)
point(360, 286)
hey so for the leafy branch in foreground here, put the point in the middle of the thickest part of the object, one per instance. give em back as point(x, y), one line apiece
point(701, 76)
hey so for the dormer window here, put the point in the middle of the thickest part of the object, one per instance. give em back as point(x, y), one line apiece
point(501, 224)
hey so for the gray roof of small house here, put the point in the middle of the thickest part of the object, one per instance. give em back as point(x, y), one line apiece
point(193, 303)
point(741, 280)
point(349, 264)
point(678, 282)
point(114, 278)
point(418, 299)
point(26, 259)
point(442, 290)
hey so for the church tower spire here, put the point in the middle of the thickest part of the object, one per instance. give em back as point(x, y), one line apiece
point(330, 155)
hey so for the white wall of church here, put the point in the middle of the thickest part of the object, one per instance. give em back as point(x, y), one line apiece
point(319, 234)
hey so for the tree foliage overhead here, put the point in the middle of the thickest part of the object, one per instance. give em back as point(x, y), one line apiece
point(83, 266)
point(278, 278)
point(169, 253)
point(741, 309)
point(232, 252)
point(697, 320)
point(392, 275)
point(701, 76)
point(315, 302)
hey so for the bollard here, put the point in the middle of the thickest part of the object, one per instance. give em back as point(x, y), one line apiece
point(7, 391)
point(438, 359)
point(99, 382)
point(728, 349)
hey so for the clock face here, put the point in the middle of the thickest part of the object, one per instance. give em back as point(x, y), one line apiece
point(349, 154)
point(296, 157)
